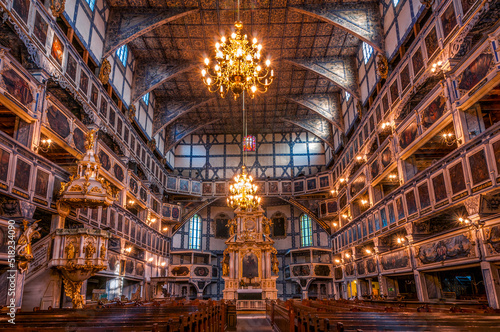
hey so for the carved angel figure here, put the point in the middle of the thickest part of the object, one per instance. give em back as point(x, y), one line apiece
point(225, 264)
point(89, 250)
point(24, 250)
point(70, 250)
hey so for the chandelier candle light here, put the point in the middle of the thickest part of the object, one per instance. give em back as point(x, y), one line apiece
point(237, 66)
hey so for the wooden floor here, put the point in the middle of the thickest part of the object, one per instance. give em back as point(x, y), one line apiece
point(253, 322)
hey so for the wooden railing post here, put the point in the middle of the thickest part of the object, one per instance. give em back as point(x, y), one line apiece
point(291, 317)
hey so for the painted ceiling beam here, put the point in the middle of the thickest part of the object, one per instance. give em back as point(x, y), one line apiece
point(326, 105)
point(316, 125)
point(149, 75)
point(167, 111)
point(307, 211)
point(361, 19)
point(181, 128)
point(127, 23)
point(340, 70)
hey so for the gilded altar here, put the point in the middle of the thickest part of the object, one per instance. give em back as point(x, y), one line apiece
point(250, 265)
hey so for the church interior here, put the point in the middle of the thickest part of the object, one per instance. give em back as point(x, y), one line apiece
point(250, 165)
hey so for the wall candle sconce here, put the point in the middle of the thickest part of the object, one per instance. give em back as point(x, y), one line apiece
point(44, 145)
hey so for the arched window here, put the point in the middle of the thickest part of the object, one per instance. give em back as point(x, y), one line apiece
point(305, 231)
point(195, 232)
point(368, 51)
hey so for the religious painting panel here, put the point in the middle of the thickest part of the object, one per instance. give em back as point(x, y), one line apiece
point(261, 187)
point(343, 201)
point(467, 5)
point(23, 174)
point(311, 184)
point(139, 268)
point(119, 174)
point(338, 273)
point(171, 183)
point(386, 157)
point(371, 123)
point(371, 265)
point(133, 186)
point(221, 227)
point(298, 186)
point(250, 266)
point(383, 217)
point(370, 224)
point(378, 113)
point(432, 113)
point(392, 215)
point(105, 160)
point(175, 213)
point(400, 208)
point(4, 165)
point(207, 188)
point(431, 42)
point(492, 240)
point(79, 139)
point(273, 187)
point(448, 21)
point(456, 172)
point(394, 91)
point(376, 219)
point(423, 195)
point(349, 269)
point(40, 28)
point(322, 270)
point(439, 251)
point(439, 187)
point(201, 271)
point(374, 169)
point(56, 187)
point(180, 271)
point(331, 206)
point(479, 167)
point(71, 67)
point(111, 120)
point(301, 270)
point(57, 50)
point(411, 202)
point(279, 226)
point(475, 71)
point(41, 183)
point(361, 268)
point(58, 122)
point(408, 135)
point(84, 82)
point(385, 103)
point(358, 184)
point(417, 62)
point(196, 187)
point(22, 8)
point(17, 86)
point(395, 260)
point(496, 152)
point(94, 94)
point(166, 212)
point(404, 75)
point(286, 187)
point(220, 188)
point(184, 185)
point(322, 208)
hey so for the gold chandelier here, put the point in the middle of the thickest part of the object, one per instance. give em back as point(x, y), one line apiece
point(243, 192)
point(237, 66)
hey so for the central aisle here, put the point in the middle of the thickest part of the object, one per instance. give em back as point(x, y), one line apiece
point(253, 322)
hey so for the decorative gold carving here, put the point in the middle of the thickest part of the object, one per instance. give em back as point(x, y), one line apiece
point(24, 250)
point(90, 139)
point(75, 188)
point(225, 264)
point(359, 109)
point(232, 227)
point(104, 71)
point(70, 250)
point(89, 250)
point(152, 144)
point(57, 7)
point(102, 254)
point(131, 113)
point(382, 66)
point(96, 190)
point(73, 290)
point(274, 261)
point(266, 226)
point(427, 3)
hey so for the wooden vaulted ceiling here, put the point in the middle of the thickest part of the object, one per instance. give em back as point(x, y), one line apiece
point(287, 34)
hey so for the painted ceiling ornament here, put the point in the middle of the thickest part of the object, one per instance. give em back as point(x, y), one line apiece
point(382, 66)
point(57, 7)
point(24, 250)
point(104, 71)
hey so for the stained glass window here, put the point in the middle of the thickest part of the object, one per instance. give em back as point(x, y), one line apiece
point(305, 231)
point(145, 98)
point(249, 143)
point(122, 54)
point(91, 4)
point(195, 232)
point(347, 96)
point(367, 52)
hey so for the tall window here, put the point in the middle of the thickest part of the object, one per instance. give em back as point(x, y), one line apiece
point(305, 231)
point(122, 54)
point(347, 96)
point(195, 232)
point(91, 4)
point(395, 2)
point(367, 52)
point(145, 98)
